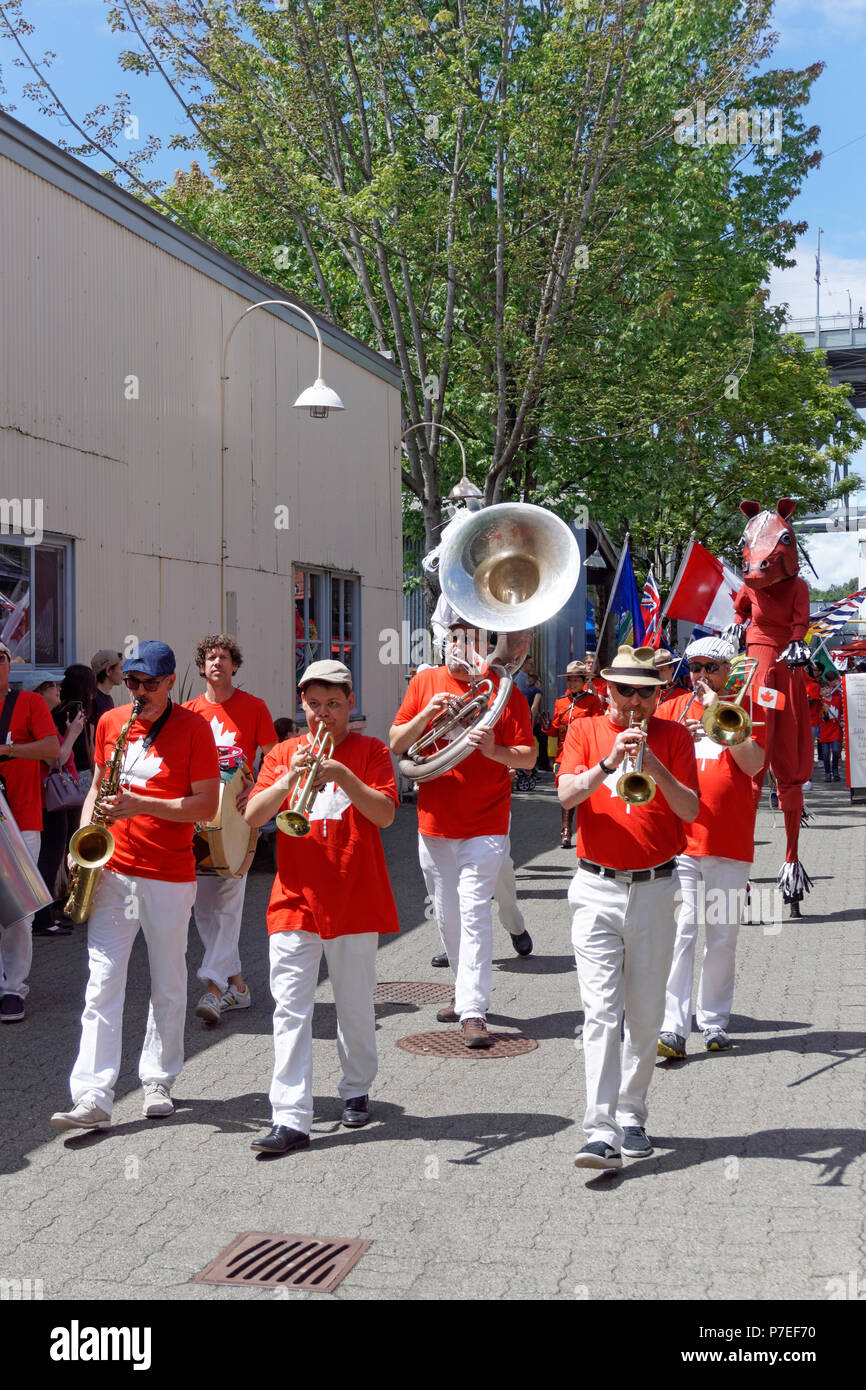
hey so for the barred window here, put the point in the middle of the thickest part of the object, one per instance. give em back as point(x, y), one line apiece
point(327, 623)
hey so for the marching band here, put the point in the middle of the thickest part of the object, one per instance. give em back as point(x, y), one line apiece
point(657, 781)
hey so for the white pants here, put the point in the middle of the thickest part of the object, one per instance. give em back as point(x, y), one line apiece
point(504, 894)
point(17, 939)
point(219, 906)
point(623, 937)
point(463, 874)
point(713, 893)
point(123, 904)
point(295, 957)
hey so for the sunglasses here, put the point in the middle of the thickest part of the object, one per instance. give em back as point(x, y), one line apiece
point(645, 692)
point(711, 667)
point(133, 683)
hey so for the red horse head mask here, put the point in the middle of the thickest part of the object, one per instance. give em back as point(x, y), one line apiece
point(769, 544)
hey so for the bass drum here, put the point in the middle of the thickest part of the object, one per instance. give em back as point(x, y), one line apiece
point(226, 845)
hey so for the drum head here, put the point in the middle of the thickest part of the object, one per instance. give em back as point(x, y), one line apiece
point(228, 841)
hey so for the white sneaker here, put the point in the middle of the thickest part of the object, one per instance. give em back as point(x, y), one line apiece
point(81, 1116)
point(235, 998)
point(208, 1008)
point(157, 1101)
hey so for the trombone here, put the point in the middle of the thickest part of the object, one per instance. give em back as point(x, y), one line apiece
point(635, 787)
point(725, 721)
point(294, 820)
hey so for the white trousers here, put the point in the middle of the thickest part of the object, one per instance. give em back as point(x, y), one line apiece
point(295, 957)
point(713, 894)
point(623, 937)
point(463, 874)
point(219, 906)
point(16, 941)
point(123, 904)
point(504, 894)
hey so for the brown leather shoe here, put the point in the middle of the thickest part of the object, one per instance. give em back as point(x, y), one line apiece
point(475, 1033)
point(448, 1014)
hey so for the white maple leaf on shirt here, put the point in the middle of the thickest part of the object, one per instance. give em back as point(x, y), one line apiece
point(707, 751)
point(329, 804)
point(223, 736)
point(138, 766)
point(610, 782)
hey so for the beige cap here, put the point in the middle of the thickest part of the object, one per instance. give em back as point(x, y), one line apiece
point(574, 668)
point(331, 672)
point(633, 666)
point(104, 658)
point(664, 658)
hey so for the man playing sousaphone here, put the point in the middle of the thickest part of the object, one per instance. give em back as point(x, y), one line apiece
point(463, 821)
point(241, 724)
point(623, 894)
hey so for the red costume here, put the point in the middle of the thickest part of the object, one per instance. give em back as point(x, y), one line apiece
point(774, 602)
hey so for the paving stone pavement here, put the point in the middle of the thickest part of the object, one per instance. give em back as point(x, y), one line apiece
point(464, 1182)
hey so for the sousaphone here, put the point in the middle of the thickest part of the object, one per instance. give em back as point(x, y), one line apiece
point(504, 569)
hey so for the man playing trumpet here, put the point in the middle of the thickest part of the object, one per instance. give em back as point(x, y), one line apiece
point(331, 896)
point(623, 895)
point(714, 868)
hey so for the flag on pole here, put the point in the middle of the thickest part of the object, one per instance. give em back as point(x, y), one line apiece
point(651, 603)
point(704, 590)
point(835, 615)
point(625, 603)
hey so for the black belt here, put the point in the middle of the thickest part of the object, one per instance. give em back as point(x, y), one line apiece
point(629, 875)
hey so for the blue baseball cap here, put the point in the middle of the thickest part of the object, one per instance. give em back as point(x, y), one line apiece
point(153, 659)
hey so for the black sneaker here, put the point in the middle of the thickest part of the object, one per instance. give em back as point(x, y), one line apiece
point(522, 943)
point(635, 1143)
point(11, 1008)
point(441, 962)
point(356, 1112)
point(598, 1155)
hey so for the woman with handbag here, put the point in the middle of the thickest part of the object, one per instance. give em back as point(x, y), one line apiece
point(64, 788)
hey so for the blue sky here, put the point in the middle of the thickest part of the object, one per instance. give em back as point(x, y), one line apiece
point(85, 73)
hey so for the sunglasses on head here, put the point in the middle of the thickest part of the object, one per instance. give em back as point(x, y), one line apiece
point(133, 683)
point(711, 667)
point(626, 691)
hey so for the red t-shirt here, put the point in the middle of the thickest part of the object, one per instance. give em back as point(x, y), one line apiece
point(183, 752)
point(31, 721)
point(333, 881)
point(611, 833)
point(830, 729)
point(586, 706)
point(667, 695)
point(475, 797)
point(725, 826)
point(242, 718)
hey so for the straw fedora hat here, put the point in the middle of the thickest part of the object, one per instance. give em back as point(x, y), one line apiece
point(633, 666)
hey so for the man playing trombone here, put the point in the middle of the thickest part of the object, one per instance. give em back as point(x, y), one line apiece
point(714, 868)
point(630, 827)
point(331, 897)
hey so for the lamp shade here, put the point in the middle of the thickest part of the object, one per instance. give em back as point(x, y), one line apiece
point(319, 399)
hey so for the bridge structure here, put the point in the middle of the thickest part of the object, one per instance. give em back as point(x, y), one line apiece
point(842, 338)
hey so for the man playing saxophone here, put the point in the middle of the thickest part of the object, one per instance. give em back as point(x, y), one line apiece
point(623, 894)
point(168, 780)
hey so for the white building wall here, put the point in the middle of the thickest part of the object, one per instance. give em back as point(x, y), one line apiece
point(86, 304)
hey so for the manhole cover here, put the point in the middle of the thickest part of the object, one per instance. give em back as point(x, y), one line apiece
point(412, 992)
point(258, 1260)
point(450, 1044)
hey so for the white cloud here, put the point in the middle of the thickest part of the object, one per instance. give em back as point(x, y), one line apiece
point(794, 18)
point(839, 274)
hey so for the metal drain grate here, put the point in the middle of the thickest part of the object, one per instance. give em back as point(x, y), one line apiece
point(450, 1044)
point(259, 1260)
point(412, 992)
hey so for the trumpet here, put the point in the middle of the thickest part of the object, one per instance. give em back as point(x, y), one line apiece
point(294, 820)
point(725, 721)
point(635, 786)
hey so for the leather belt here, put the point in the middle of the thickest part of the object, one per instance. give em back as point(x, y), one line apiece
point(629, 875)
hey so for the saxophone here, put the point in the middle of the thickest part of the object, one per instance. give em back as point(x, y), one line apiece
point(92, 845)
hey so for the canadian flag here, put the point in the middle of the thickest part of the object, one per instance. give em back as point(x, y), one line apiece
point(704, 590)
point(770, 699)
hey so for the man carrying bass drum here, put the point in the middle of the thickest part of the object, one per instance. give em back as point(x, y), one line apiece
point(241, 725)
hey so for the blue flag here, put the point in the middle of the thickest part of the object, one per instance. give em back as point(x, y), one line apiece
point(630, 629)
